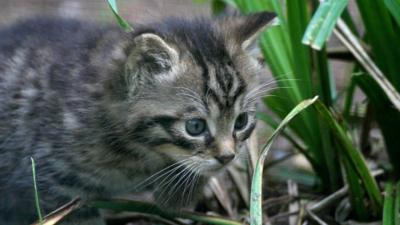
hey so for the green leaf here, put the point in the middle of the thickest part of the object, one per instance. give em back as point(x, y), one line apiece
point(218, 6)
point(321, 26)
point(148, 208)
point(382, 34)
point(397, 205)
point(389, 123)
point(394, 8)
point(256, 185)
point(389, 213)
point(121, 21)
point(355, 190)
point(354, 155)
point(38, 210)
point(229, 2)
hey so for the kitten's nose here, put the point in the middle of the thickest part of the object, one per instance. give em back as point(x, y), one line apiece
point(225, 158)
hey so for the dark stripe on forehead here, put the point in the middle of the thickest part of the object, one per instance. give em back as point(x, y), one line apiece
point(207, 46)
point(224, 78)
point(240, 88)
point(241, 85)
point(211, 93)
point(228, 78)
point(207, 91)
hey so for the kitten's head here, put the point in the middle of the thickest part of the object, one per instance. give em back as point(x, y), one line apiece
point(189, 89)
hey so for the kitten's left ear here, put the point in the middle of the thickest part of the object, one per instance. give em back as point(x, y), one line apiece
point(255, 25)
point(245, 30)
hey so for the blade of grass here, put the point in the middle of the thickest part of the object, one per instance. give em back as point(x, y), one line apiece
point(321, 26)
point(326, 91)
point(389, 213)
point(296, 144)
point(147, 208)
point(355, 190)
point(38, 210)
point(397, 205)
point(256, 186)
point(57, 215)
point(382, 34)
point(394, 8)
point(305, 68)
point(350, 90)
point(388, 123)
point(354, 155)
point(121, 21)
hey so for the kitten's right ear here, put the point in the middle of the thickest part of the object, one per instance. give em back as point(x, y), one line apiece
point(150, 56)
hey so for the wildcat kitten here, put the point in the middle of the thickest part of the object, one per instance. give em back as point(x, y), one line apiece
point(101, 111)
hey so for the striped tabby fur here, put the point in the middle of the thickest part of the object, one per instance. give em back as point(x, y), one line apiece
point(104, 112)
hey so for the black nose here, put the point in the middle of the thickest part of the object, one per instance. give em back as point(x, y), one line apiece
point(225, 158)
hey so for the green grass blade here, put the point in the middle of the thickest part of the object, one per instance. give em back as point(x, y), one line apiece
point(354, 155)
point(321, 26)
point(229, 2)
point(350, 90)
point(325, 89)
point(355, 190)
point(256, 185)
point(293, 140)
point(38, 210)
point(297, 18)
point(382, 34)
point(389, 123)
point(148, 208)
point(121, 21)
point(389, 213)
point(397, 205)
point(394, 8)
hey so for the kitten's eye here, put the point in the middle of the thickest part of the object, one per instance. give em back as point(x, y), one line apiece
point(195, 126)
point(241, 121)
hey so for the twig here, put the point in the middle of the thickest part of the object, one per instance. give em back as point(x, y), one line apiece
point(324, 203)
point(315, 217)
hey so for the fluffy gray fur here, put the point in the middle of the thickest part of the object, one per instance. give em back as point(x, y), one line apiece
point(103, 112)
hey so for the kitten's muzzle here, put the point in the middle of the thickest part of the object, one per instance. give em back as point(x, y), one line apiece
point(226, 151)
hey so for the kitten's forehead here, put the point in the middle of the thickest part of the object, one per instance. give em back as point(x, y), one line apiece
point(215, 70)
point(211, 73)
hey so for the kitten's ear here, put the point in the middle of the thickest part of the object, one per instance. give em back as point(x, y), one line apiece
point(151, 55)
point(253, 26)
point(246, 29)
